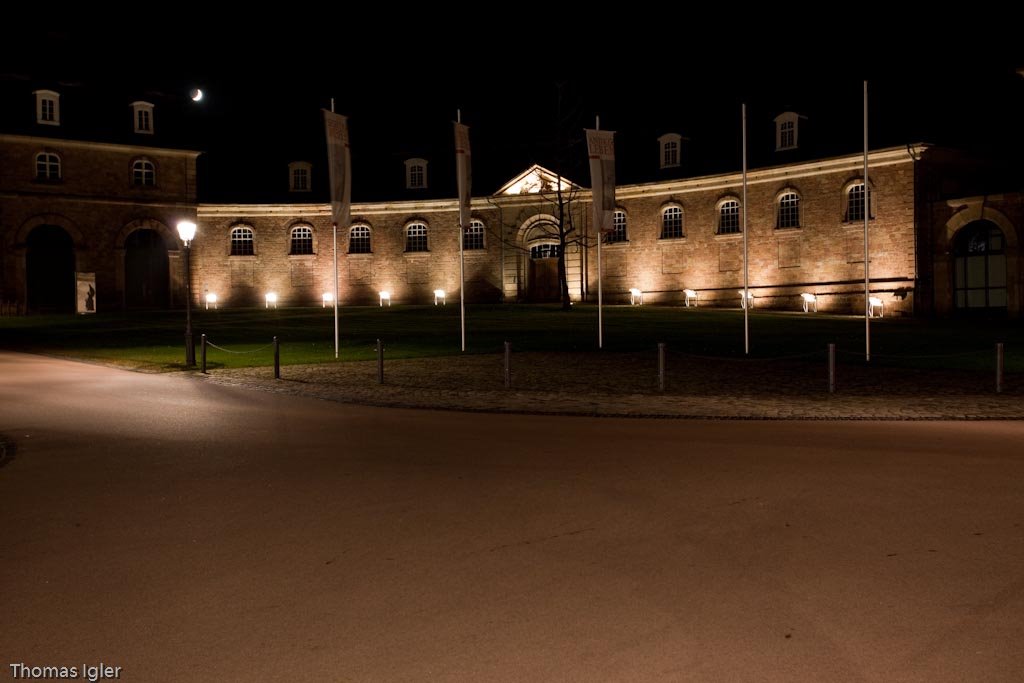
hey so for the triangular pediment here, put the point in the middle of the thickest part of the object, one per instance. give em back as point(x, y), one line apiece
point(534, 180)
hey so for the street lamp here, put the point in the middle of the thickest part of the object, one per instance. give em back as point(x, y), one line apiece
point(186, 231)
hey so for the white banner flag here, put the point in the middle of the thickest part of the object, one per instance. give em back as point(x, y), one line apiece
point(463, 169)
point(340, 166)
point(601, 146)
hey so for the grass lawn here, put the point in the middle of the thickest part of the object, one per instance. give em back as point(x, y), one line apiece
point(154, 340)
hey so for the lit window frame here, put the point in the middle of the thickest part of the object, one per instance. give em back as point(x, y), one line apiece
point(674, 224)
point(300, 240)
point(473, 236)
point(49, 167)
point(243, 240)
point(417, 238)
point(143, 173)
point(360, 239)
point(729, 216)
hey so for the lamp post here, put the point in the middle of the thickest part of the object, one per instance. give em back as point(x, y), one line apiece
point(186, 231)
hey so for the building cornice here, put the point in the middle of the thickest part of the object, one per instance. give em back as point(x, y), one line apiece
point(850, 163)
point(102, 146)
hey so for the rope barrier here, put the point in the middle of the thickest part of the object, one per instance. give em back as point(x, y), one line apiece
point(748, 358)
point(262, 348)
point(901, 356)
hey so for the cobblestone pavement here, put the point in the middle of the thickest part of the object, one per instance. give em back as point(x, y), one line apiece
point(623, 384)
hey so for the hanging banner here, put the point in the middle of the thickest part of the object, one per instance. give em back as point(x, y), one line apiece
point(85, 292)
point(601, 146)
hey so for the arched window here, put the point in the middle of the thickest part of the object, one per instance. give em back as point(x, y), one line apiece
point(47, 166)
point(672, 222)
point(473, 236)
point(789, 210)
point(546, 250)
point(143, 173)
point(854, 203)
point(979, 267)
point(728, 217)
point(416, 237)
point(618, 233)
point(241, 241)
point(302, 240)
point(359, 239)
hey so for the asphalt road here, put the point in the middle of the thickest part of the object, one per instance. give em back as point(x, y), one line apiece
point(188, 531)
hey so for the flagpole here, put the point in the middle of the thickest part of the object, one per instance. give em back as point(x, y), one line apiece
point(867, 214)
point(746, 284)
point(462, 265)
point(335, 276)
point(600, 236)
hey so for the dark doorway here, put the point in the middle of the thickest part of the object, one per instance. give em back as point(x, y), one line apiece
point(50, 270)
point(146, 280)
point(543, 277)
point(979, 267)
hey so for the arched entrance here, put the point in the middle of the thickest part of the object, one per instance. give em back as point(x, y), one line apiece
point(146, 279)
point(979, 267)
point(50, 270)
point(542, 281)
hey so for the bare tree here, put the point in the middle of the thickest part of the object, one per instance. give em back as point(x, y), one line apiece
point(566, 141)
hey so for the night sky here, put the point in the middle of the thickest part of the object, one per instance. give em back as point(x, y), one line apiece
point(527, 88)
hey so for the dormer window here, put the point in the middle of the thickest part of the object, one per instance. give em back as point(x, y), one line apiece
point(299, 176)
point(142, 113)
point(47, 107)
point(670, 144)
point(415, 174)
point(786, 129)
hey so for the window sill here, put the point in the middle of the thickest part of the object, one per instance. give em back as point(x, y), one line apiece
point(243, 257)
point(672, 239)
point(795, 228)
point(360, 254)
point(414, 254)
point(728, 237)
point(302, 257)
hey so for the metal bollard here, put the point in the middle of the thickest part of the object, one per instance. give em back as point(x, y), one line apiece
point(831, 368)
point(508, 365)
point(661, 366)
point(277, 359)
point(380, 362)
point(999, 367)
point(202, 340)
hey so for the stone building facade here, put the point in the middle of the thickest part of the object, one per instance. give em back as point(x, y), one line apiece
point(678, 235)
point(70, 205)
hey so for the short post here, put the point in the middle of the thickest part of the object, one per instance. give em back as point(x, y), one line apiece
point(999, 367)
point(831, 368)
point(661, 366)
point(277, 359)
point(202, 346)
point(508, 365)
point(380, 362)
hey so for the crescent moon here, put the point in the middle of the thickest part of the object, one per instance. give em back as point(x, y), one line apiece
point(197, 95)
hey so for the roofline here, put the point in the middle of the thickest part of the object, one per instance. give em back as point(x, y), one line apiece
point(888, 156)
point(107, 146)
point(877, 158)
